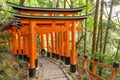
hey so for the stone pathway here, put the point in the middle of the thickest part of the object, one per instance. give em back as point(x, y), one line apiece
point(51, 71)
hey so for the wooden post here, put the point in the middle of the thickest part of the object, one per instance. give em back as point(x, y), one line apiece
point(42, 45)
point(19, 44)
point(94, 68)
point(36, 54)
point(114, 71)
point(85, 62)
point(14, 43)
point(48, 46)
point(62, 47)
point(67, 48)
point(32, 69)
point(73, 54)
point(25, 46)
point(28, 48)
point(53, 42)
point(56, 46)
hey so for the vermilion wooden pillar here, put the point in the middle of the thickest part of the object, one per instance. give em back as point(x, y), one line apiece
point(53, 42)
point(62, 46)
point(28, 48)
point(48, 46)
point(14, 39)
point(56, 46)
point(73, 54)
point(42, 45)
point(32, 54)
point(67, 48)
point(19, 44)
point(25, 47)
point(36, 55)
point(114, 71)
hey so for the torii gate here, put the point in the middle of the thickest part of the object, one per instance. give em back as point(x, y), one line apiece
point(30, 27)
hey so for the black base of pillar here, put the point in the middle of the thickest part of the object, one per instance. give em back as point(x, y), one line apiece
point(17, 52)
point(43, 51)
point(32, 72)
point(67, 60)
point(25, 57)
point(22, 51)
point(53, 55)
point(48, 54)
point(20, 56)
point(57, 57)
point(62, 58)
point(28, 59)
point(73, 68)
point(36, 63)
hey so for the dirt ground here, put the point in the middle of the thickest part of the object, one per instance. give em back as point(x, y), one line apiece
point(11, 68)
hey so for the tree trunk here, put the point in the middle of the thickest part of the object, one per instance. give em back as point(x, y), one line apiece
point(58, 4)
point(100, 35)
point(116, 56)
point(85, 38)
point(78, 42)
point(64, 3)
point(94, 30)
point(72, 4)
point(107, 29)
point(95, 27)
point(22, 2)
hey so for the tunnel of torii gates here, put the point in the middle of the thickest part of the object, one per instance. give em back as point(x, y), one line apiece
point(54, 27)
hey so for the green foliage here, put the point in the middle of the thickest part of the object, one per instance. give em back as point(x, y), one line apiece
point(6, 72)
point(106, 74)
point(10, 67)
point(108, 59)
point(20, 62)
point(90, 22)
point(85, 79)
point(116, 2)
point(110, 25)
point(38, 43)
point(4, 38)
point(4, 8)
point(2, 56)
point(4, 49)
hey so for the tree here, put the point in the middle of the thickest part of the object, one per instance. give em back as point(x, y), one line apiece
point(108, 26)
point(22, 2)
point(95, 30)
point(100, 33)
point(95, 27)
point(85, 37)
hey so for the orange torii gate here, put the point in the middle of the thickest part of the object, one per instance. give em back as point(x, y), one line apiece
point(33, 25)
point(50, 12)
point(16, 38)
point(13, 42)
